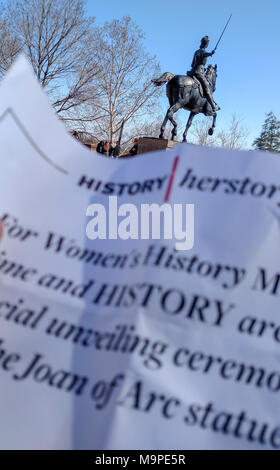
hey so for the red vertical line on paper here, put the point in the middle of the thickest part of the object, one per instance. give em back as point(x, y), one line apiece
point(171, 179)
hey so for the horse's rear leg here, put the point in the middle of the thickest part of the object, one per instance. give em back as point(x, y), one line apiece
point(189, 123)
point(162, 129)
point(169, 116)
point(173, 109)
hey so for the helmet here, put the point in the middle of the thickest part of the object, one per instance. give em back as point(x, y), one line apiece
point(204, 41)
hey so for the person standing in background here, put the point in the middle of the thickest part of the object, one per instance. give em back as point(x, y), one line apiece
point(117, 149)
point(99, 147)
point(134, 149)
point(106, 148)
point(111, 149)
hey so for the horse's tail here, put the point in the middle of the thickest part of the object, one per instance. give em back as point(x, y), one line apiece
point(164, 78)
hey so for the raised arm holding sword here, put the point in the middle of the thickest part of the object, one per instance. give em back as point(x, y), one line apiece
point(198, 65)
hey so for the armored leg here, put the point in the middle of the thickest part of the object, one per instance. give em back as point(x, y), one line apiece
point(211, 101)
point(207, 92)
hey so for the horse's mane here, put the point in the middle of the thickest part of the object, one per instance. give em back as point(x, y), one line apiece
point(209, 74)
point(210, 70)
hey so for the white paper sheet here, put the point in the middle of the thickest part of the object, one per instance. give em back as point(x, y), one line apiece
point(131, 344)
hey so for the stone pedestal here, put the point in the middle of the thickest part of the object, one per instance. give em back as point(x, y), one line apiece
point(151, 144)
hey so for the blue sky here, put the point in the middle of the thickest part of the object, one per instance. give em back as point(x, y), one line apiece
point(247, 56)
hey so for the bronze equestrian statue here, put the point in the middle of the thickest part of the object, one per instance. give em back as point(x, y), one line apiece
point(192, 92)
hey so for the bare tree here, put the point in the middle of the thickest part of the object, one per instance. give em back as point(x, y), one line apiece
point(95, 77)
point(199, 132)
point(125, 78)
point(58, 39)
point(9, 45)
point(148, 126)
point(234, 136)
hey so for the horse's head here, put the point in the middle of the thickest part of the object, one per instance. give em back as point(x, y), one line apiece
point(211, 75)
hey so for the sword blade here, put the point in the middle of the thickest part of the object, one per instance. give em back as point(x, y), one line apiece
point(223, 32)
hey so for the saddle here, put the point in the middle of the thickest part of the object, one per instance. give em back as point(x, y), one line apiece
point(196, 84)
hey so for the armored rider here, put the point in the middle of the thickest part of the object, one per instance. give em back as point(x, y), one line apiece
point(198, 64)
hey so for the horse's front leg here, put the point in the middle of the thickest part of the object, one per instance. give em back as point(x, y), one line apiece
point(189, 123)
point(211, 130)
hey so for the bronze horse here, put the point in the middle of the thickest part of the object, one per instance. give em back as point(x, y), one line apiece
point(184, 91)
